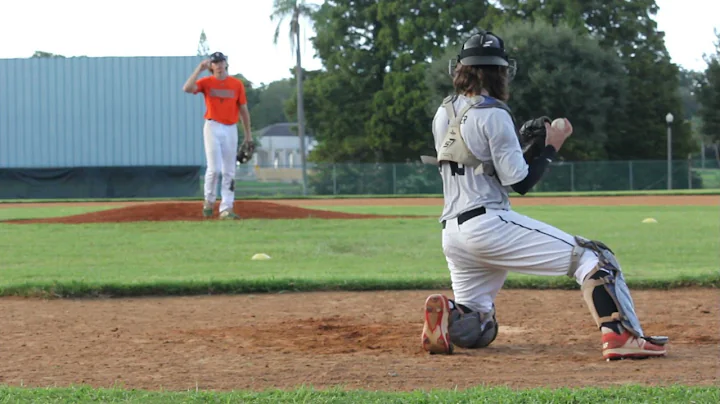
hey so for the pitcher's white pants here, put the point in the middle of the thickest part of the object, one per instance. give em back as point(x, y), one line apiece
point(481, 251)
point(221, 143)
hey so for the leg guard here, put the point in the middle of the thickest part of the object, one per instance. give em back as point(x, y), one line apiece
point(472, 330)
point(607, 295)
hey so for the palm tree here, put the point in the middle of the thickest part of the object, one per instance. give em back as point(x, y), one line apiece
point(295, 9)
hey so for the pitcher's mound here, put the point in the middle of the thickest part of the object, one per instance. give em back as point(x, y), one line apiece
point(192, 211)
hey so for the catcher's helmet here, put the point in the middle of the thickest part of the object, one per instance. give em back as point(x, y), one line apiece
point(484, 49)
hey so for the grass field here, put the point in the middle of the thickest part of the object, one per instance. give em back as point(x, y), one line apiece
point(196, 258)
point(625, 394)
point(187, 258)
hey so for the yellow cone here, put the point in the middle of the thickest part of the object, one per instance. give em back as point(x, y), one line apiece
point(649, 220)
point(260, 256)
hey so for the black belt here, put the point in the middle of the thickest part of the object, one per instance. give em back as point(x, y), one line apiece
point(464, 217)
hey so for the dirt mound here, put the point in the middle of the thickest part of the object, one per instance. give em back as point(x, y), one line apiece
point(184, 211)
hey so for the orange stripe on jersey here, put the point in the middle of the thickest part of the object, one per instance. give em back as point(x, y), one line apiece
point(223, 98)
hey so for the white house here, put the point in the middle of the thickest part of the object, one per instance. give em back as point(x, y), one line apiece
point(280, 146)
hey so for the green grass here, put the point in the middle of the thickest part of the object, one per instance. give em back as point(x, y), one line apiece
point(684, 242)
point(131, 259)
point(495, 395)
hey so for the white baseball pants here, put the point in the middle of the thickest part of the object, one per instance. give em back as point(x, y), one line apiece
point(221, 143)
point(481, 251)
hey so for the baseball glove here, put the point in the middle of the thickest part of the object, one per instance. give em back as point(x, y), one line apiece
point(245, 151)
point(532, 137)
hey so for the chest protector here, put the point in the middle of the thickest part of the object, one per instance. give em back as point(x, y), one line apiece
point(454, 148)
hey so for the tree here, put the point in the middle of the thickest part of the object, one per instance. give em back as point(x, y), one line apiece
point(709, 94)
point(41, 54)
point(203, 47)
point(641, 129)
point(628, 28)
point(559, 71)
point(269, 108)
point(689, 88)
point(338, 110)
point(369, 103)
point(294, 10)
point(251, 93)
point(689, 82)
point(564, 73)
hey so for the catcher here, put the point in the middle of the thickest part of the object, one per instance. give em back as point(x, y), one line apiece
point(226, 104)
point(481, 158)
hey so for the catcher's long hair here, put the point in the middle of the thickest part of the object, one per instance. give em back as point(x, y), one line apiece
point(473, 79)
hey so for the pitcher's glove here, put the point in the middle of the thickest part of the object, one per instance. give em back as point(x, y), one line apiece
point(245, 151)
point(532, 137)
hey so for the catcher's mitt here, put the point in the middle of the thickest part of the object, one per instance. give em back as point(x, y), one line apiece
point(532, 137)
point(245, 151)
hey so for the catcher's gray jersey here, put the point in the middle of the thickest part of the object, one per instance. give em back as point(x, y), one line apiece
point(490, 136)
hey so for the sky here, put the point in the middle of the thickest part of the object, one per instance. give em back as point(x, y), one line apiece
point(242, 29)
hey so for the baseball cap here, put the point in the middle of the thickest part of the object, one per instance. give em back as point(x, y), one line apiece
point(217, 57)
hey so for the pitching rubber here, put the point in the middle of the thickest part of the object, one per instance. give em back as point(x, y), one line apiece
point(435, 336)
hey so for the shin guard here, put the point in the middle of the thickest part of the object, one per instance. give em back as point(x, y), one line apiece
point(608, 296)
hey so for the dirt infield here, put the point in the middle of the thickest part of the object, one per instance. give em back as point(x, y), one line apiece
point(357, 340)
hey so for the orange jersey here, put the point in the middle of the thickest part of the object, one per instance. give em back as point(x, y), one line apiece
point(223, 98)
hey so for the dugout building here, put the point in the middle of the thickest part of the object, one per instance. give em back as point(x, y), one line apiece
point(109, 127)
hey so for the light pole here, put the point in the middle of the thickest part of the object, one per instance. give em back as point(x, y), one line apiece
point(669, 120)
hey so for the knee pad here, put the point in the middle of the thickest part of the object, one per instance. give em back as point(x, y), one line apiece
point(583, 245)
point(472, 330)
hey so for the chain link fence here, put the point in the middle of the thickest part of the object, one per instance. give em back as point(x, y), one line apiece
point(418, 178)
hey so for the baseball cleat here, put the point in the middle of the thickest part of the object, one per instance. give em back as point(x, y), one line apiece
point(627, 346)
point(435, 335)
point(228, 215)
point(207, 209)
